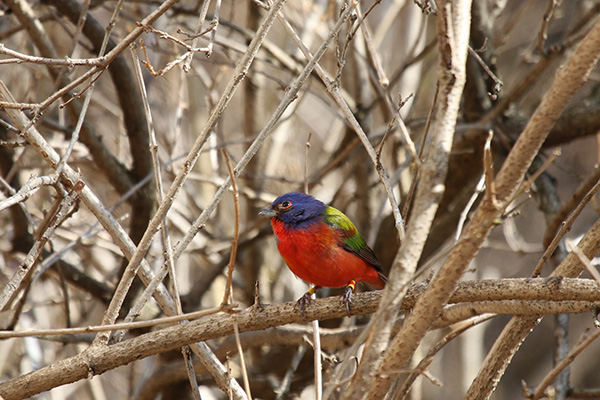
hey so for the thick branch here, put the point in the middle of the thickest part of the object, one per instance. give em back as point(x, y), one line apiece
point(566, 84)
point(453, 22)
point(97, 360)
point(519, 327)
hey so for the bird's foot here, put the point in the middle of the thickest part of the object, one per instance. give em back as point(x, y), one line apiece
point(346, 298)
point(305, 300)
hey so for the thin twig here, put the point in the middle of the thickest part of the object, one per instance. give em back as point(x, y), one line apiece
point(114, 327)
point(201, 18)
point(584, 193)
point(284, 386)
point(306, 163)
point(167, 36)
point(28, 190)
point(583, 343)
point(238, 343)
point(488, 167)
point(529, 182)
point(465, 212)
point(497, 82)
point(543, 33)
point(318, 373)
point(99, 62)
point(228, 296)
point(214, 25)
point(389, 129)
point(80, 23)
point(402, 393)
point(585, 261)
point(415, 178)
point(178, 60)
point(96, 71)
point(75, 133)
point(25, 268)
point(382, 79)
point(19, 106)
point(340, 53)
point(383, 83)
point(164, 70)
point(395, 110)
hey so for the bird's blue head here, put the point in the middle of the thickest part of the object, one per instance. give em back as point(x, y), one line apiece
point(295, 209)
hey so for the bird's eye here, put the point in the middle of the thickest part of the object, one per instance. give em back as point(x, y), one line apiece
point(285, 205)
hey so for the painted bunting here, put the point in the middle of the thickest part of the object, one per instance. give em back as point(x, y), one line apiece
point(322, 246)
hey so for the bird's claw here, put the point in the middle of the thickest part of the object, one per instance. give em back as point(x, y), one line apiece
point(303, 302)
point(346, 298)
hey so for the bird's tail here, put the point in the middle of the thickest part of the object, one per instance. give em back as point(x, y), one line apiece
point(383, 279)
point(379, 282)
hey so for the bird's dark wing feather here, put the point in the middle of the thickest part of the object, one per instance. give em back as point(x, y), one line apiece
point(351, 240)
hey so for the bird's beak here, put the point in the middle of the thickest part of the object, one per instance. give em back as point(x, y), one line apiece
point(268, 212)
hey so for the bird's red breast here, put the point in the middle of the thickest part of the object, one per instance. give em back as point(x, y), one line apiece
point(315, 254)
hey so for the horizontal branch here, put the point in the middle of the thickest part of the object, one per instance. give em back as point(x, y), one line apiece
point(28, 190)
point(551, 289)
point(584, 293)
point(463, 311)
point(100, 62)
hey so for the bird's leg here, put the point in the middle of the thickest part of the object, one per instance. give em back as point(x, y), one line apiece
point(305, 300)
point(346, 298)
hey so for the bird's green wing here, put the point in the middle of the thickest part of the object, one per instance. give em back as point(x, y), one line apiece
point(351, 240)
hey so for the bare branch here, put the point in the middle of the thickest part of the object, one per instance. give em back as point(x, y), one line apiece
point(25, 269)
point(102, 359)
point(100, 62)
point(583, 343)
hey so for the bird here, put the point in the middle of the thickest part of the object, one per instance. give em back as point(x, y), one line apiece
point(321, 246)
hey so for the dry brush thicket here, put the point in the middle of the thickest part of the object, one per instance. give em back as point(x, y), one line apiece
point(139, 140)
